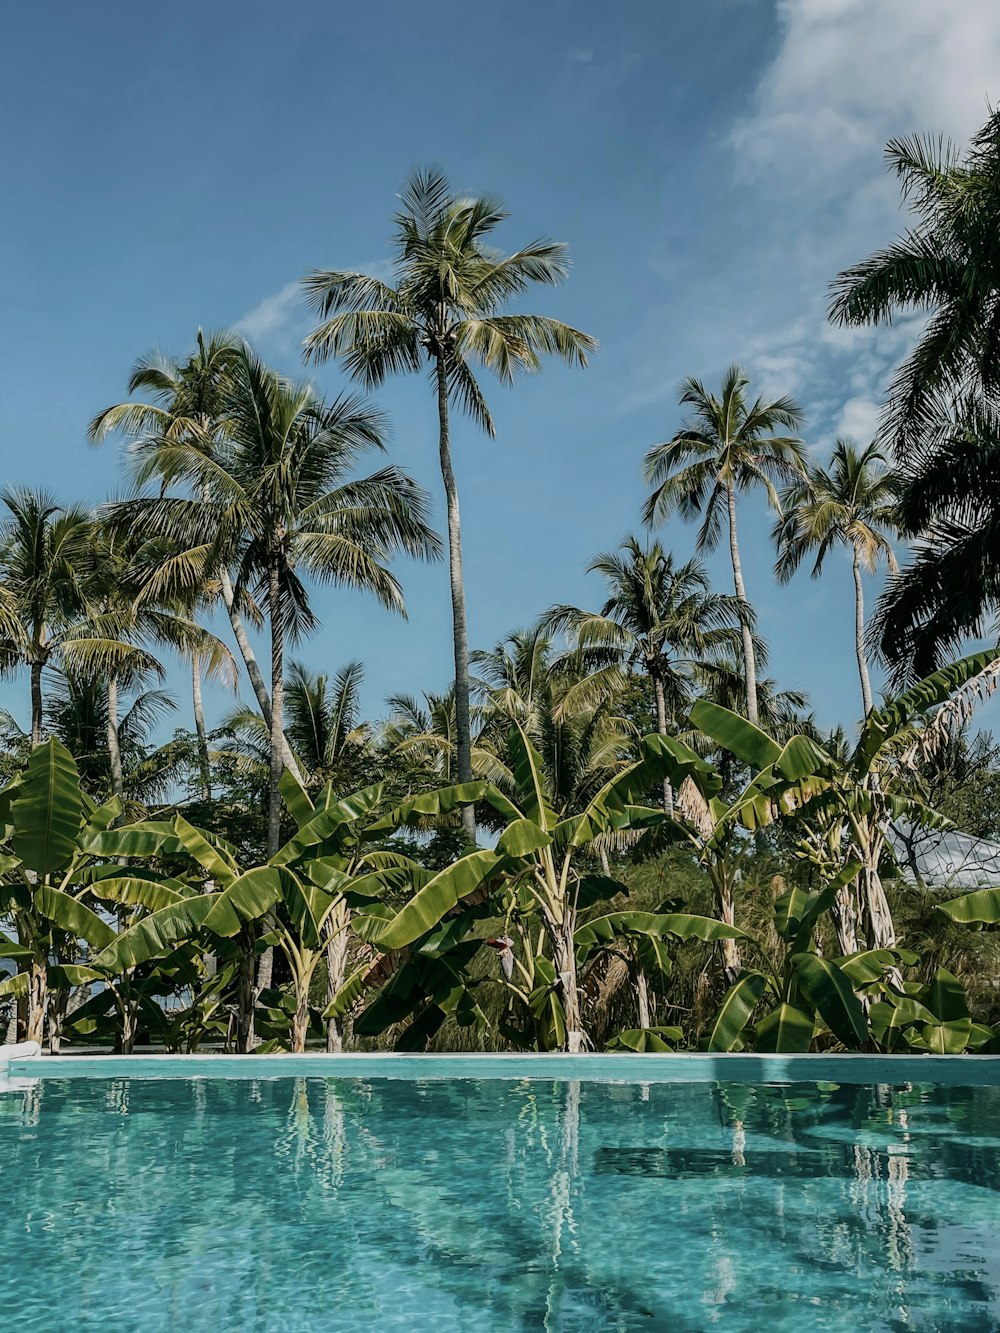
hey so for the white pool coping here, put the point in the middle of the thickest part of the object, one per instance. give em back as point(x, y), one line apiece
point(687, 1067)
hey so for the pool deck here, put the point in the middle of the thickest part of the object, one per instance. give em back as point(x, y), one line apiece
point(692, 1067)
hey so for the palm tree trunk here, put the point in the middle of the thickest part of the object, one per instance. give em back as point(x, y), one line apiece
point(114, 748)
point(265, 968)
point(276, 617)
point(36, 703)
point(859, 637)
point(253, 668)
point(661, 726)
point(463, 722)
point(749, 661)
point(199, 726)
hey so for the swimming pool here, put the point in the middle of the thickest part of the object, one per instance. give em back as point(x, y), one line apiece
point(294, 1196)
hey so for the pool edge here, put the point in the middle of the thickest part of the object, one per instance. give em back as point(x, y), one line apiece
point(689, 1067)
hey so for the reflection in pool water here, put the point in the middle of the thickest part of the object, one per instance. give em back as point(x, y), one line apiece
point(338, 1204)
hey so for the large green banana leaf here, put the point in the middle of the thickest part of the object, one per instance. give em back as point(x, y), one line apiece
point(438, 897)
point(885, 723)
point(432, 804)
point(979, 908)
point(47, 811)
point(130, 890)
point(734, 733)
point(787, 1028)
point(155, 934)
point(71, 915)
point(660, 1039)
point(832, 994)
point(604, 930)
point(739, 1002)
point(144, 838)
point(246, 898)
point(322, 826)
point(529, 780)
point(211, 856)
point(297, 800)
point(522, 837)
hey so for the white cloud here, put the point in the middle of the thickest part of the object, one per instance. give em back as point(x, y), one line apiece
point(283, 318)
point(270, 316)
point(849, 74)
point(858, 420)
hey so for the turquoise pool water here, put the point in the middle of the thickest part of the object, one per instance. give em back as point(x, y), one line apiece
point(319, 1203)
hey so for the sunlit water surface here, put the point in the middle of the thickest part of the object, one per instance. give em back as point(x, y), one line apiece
point(336, 1204)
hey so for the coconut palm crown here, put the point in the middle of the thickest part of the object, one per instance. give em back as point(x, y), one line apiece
point(852, 504)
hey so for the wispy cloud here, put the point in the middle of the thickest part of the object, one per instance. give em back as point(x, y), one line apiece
point(283, 318)
point(272, 315)
point(805, 161)
point(849, 73)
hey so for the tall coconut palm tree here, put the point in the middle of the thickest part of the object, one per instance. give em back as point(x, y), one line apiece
point(273, 501)
point(729, 445)
point(660, 617)
point(46, 555)
point(851, 503)
point(945, 266)
point(185, 409)
point(443, 310)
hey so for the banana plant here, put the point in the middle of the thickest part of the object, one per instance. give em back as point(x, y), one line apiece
point(846, 804)
point(538, 872)
point(48, 825)
point(301, 896)
point(807, 995)
point(644, 942)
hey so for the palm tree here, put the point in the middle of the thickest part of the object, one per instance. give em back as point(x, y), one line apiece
point(947, 267)
point(421, 732)
point(322, 722)
point(127, 586)
point(949, 505)
point(188, 404)
point(76, 713)
point(46, 555)
point(729, 446)
point(444, 312)
point(272, 501)
point(659, 617)
point(852, 503)
point(566, 714)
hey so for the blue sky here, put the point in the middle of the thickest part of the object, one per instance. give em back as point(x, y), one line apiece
point(711, 165)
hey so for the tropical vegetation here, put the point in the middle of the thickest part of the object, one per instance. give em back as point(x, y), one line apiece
point(610, 830)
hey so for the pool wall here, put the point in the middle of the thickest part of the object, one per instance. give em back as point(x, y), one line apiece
point(693, 1067)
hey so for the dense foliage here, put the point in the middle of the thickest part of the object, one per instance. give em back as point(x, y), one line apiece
point(613, 830)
